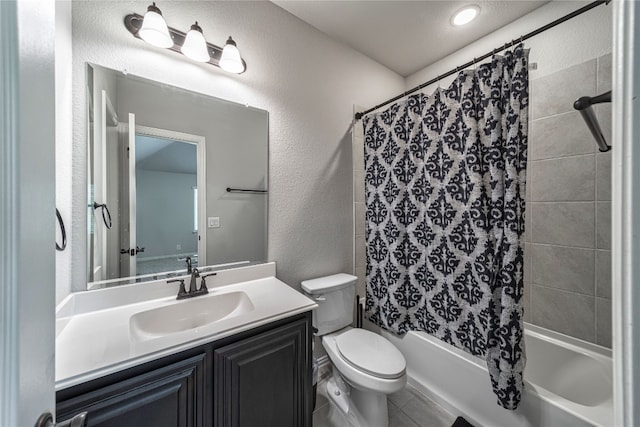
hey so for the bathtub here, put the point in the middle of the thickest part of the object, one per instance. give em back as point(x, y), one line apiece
point(568, 382)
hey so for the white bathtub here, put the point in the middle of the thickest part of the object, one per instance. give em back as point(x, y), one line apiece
point(568, 382)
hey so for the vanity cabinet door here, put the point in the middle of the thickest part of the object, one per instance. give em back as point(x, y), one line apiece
point(264, 380)
point(171, 396)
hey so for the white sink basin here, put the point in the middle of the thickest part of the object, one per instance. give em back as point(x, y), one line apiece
point(188, 315)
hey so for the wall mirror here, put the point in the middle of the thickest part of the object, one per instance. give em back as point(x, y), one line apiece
point(172, 175)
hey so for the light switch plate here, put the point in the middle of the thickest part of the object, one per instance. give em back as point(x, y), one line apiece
point(213, 222)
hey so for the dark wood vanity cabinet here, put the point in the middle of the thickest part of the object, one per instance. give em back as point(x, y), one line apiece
point(260, 380)
point(171, 395)
point(257, 378)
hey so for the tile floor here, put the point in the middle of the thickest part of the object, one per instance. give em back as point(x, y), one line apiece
point(407, 408)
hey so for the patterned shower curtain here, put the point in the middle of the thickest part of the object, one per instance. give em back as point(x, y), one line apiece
point(445, 191)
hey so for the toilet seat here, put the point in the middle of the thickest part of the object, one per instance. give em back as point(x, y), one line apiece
point(370, 353)
point(359, 380)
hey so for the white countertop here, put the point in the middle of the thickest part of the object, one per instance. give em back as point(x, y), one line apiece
point(93, 336)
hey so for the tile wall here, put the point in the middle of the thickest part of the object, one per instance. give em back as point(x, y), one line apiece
point(568, 219)
point(568, 238)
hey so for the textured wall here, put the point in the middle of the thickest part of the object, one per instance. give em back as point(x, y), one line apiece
point(64, 137)
point(306, 81)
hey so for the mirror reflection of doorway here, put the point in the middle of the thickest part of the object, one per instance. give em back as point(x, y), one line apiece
point(160, 215)
point(166, 179)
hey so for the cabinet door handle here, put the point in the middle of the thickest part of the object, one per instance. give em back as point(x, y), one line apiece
point(46, 420)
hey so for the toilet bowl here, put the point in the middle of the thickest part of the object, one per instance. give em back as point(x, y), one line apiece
point(366, 366)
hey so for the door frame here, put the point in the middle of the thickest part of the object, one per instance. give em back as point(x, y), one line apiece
point(625, 213)
point(27, 205)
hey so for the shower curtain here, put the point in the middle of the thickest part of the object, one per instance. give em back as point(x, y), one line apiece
point(445, 191)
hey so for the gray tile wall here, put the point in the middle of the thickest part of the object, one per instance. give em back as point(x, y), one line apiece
point(568, 219)
point(567, 246)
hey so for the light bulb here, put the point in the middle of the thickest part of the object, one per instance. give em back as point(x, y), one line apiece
point(230, 60)
point(195, 46)
point(154, 29)
point(465, 15)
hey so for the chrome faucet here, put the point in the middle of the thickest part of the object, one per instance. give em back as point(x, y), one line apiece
point(193, 285)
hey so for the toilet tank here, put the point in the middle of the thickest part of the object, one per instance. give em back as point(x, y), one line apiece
point(335, 297)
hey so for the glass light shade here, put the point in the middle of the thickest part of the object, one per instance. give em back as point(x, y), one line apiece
point(154, 30)
point(465, 15)
point(195, 46)
point(230, 59)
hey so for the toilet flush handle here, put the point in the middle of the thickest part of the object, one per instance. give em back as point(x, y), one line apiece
point(320, 298)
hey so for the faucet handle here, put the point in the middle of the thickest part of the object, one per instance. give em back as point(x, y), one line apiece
point(183, 291)
point(203, 284)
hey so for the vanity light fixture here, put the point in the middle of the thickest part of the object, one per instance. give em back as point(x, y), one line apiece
point(154, 29)
point(230, 60)
point(465, 15)
point(195, 46)
point(192, 44)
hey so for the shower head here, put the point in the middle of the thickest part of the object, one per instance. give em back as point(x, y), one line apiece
point(585, 106)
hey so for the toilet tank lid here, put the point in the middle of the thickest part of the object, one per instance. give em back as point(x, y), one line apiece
point(325, 284)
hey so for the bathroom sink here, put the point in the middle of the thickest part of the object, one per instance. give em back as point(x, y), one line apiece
point(188, 315)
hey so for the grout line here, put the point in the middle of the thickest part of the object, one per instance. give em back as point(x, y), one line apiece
point(595, 235)
point(568, 156)
point(563, 246)
point(554, 115)
point(563, 201)
point(563, 290)
point(571, 156)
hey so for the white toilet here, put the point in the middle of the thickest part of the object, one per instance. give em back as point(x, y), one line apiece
point(366, 366)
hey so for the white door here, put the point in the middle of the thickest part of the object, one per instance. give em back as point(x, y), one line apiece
point(27, 206)
point(99, 172)
point(128, 199)
point(132, 195)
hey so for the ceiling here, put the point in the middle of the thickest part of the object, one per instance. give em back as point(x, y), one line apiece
point(405, 36)
point(165, 155)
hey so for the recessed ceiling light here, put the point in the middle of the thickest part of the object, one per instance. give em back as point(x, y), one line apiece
point(465, 15)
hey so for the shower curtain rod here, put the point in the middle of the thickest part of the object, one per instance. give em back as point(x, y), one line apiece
point(487, 55)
